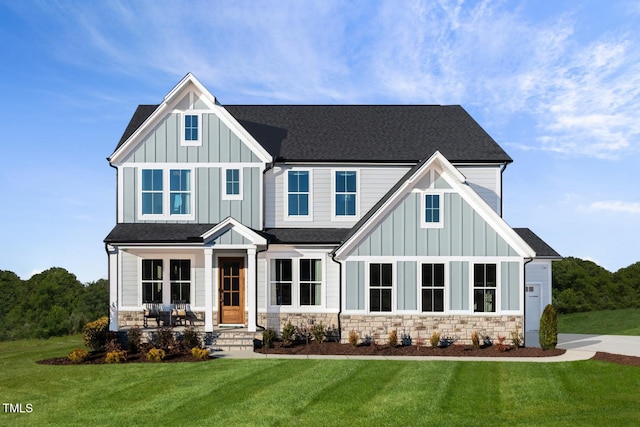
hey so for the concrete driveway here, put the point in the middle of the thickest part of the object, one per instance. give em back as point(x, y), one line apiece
point(616, 344)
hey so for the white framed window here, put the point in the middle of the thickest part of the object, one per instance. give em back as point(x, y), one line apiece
point(191, 129)
point(163, 286)
point(231, 183)
point(380, 287)
point(345, 194)
point(296, 283)
point(298, 200)
point(180, 277)
point(151, 281)
point(432, 210)
point(485, 283)
point(166, 193)
point(432, 288)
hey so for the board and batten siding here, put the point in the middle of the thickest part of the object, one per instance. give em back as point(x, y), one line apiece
point(510, 286)
point(209, 206)
point(465, 233)
point(407, 283)
point(373, 183)
point(459, 285)
point(219, 144)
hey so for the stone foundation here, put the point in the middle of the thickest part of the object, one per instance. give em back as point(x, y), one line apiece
point(420, 327)
point(276, 321)
point(129, 319)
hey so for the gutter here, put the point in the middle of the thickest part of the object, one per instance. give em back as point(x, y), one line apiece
point(333, 255)
point(502, 169)
point(524, 308)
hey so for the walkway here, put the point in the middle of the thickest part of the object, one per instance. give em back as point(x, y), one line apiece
point(617, 344)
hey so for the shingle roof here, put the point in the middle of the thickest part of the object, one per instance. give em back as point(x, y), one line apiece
point(542, 249)
point(359, 133)
point(190, 233)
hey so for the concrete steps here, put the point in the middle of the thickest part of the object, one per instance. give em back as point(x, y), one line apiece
point(233, 339)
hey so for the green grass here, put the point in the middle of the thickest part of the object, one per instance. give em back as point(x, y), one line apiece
point(312, 392)
point(606, 322)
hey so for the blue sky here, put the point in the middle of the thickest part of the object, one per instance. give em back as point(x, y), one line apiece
point(556, 83)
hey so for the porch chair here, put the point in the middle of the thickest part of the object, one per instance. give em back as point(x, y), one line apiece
point(151, 311)
point(179, 312)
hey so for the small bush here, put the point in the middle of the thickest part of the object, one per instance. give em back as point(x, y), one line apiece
point(419, 342)
point(475, 340)
point(405, 339)
point(115, 356)
point(191, 339)
point(516, 339)
point(134, 339)
point(331, 333)
point(78, 355)
point(434, 340)
point(268, 335)
point(318, 332)
point(393, 338)
point(156, 355)
point(96, 334)
point(288, 333)
point(501, 345)
point(549, 328)
point(353, 338)
point(165, 338)
point(200, 353)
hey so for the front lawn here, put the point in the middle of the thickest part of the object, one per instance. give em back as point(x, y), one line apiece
point(312, 392)
point(604, 322)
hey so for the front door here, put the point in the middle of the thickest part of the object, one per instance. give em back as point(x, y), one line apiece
point(231, 291)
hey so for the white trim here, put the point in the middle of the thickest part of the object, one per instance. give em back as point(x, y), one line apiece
point(192, 165)
point(446, 291)
point(295, 306)
point(120, 194)
point(358, 194)
point(309, 216)
point(208, 290)
point(223, 183)
point(166, 195)
point(230, 222)
point(166, 275)
point(394, 287)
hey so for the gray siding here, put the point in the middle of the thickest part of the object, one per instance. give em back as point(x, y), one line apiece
point(197, 292)
point(510, 286)
point(373, 183)
point(459, 285)
point(130, 281)
point(407, 283)
point(209, 206)
point(219, 144)
point(486, 182)
point(354, 285)
point(465, 233)
point(263, 283)
point(231, 237)
point(332, 283)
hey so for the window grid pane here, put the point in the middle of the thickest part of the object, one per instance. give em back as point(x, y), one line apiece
point(310, 285)
point(484, 283)
point(432, 287)
point(180, 195)
point(380, 287)
point(281, 281)
point(432, 208)
point(151, 281)
point(298, 197)
point(152, 191)
point(346, 195)
point(191, 127)
point(233, 181)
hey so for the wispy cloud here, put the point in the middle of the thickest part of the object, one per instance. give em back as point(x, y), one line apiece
point(616, 206)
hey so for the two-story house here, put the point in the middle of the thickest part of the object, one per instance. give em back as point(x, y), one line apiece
point(367, 217)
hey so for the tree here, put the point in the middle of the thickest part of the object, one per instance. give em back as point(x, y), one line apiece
point(549, 328)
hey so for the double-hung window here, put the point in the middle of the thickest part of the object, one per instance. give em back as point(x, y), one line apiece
point(232, 183)
point(298, 193)
point(310, 281)
point(346, 193)
point(180, 192)
point(152, 281)
point(191, 129)
point(432, 287)
point(380, 287)
point(152, 198)
point(180, 276)
point(484, 288)
point(281, 281)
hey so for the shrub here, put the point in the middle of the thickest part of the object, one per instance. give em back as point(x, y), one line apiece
point(78, 355)
point(288, 333)
point(393, 338)
point(318, 332)
point(405, 339)
point(501, 345)
point(419, 342)
point(112, 345)
point(165, 339)
point(200, 353)
point(331, 333)
point(268, 335)
point(549, 328)
point(134, 339)
point(475, 339)
point(191, 339)
point(115, 356)
point(434, 340)
point(156, 355)
point(516, 339)
point(353, 338)
point(96, 334)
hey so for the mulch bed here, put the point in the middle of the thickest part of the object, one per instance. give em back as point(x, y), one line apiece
point(97, 358)
point(617, 358)
point(334, 348)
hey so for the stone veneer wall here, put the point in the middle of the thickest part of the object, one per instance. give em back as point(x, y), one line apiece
point(128, 319)
point(276, 321)
point(459, 327)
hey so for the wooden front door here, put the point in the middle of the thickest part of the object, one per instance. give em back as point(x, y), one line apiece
point(231, 290)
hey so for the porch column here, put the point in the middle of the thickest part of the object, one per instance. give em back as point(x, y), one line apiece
point(251, 289)
point(113, 287)
point(208, 290)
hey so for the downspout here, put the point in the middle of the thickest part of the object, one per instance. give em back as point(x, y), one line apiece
point(339, 296)
point(267, 168)
point(502, 169)
point(524, 308)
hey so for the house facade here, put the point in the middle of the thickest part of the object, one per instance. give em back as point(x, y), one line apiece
point(368, 218)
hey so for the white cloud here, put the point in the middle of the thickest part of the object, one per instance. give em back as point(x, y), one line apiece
point(616, 206)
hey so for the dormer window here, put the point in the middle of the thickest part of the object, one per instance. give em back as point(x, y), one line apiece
point(191, 129)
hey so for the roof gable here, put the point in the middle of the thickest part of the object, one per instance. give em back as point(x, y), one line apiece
point(456, 181)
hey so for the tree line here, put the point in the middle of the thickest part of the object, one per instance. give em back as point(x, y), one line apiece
point(580, 285)
point(51, 303)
